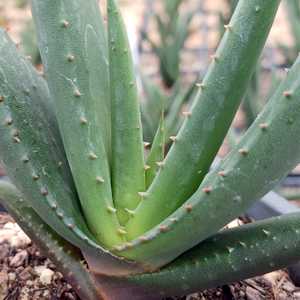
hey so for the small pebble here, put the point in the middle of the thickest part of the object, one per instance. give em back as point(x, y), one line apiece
point(45, 274)
point(19, 259)
point(11, 277)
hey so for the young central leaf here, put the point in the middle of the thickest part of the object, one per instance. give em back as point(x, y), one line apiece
point(128, 175)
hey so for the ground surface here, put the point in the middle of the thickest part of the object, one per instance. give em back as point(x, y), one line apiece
point(25, 274)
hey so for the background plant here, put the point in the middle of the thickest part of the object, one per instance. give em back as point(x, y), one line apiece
point(73, 147)
point(293, 12)
point(173, 29)
point(22, 3)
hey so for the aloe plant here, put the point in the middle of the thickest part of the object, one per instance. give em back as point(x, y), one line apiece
point(81, 188)
point(173, 29)
point(293, 14)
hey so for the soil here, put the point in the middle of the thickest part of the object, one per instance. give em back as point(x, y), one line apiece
point(25, 274)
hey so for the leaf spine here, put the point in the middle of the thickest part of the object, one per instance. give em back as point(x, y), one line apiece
point(287, 94)
point(214, 57)
point(163, 228)
point(15, 132)
point(188, 207)
point(230, 249)
point(122, 231)
point(228, 27)
point(266, 232)
point(100, 179)
point(129, 245)
point(173, 138)
point(207, 190)
point(147, 167)
point(118, 248)
point(71, 225)
point(16, 140)
point(25, 159)
point(200, 85)
point(8, 121)
point(143, 194)
point(53, 205)
point(92, 156)
point(65, 23)
point(242, 244)
point(77, 93)
point(130, 212)
point(35, 177)
point(111, 209)
point(263, 126)
point(143, 239)
point(60, 214)
point(44, 191)
point(186, 113)
point(83, 120)
point(71, 57)
point(146, 144)
point(243, 151)
point(222, 173)
point(160, 164)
